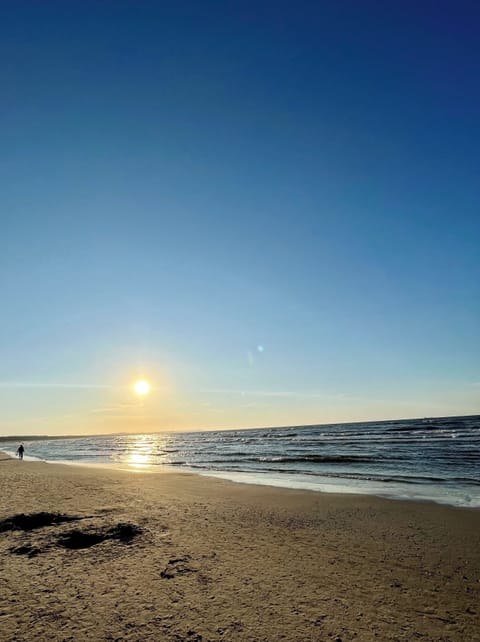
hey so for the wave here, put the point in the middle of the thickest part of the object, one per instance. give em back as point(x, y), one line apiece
point(366, 477)
point(320, 459)
point(428, 428)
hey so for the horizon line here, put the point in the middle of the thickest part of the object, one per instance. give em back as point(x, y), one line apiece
point(284, 427)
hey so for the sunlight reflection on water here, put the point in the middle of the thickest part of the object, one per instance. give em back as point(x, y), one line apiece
point(140, 453)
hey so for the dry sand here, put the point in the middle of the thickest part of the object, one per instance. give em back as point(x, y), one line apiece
point(222, 561)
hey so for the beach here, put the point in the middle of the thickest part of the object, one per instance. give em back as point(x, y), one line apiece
point(173, 556)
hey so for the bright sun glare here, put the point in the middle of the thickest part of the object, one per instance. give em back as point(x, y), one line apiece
point(142, 387)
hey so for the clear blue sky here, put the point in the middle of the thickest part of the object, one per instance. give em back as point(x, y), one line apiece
point(268, 209)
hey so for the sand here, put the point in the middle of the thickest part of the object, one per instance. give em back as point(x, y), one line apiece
point(216, 561)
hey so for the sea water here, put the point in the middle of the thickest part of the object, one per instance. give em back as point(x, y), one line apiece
point(422, 459)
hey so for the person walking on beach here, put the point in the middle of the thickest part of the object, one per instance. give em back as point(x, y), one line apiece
point(20, 451)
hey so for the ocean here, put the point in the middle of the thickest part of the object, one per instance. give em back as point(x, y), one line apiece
point(419, 459)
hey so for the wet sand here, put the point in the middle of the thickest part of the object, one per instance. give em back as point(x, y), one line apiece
point(180, 557)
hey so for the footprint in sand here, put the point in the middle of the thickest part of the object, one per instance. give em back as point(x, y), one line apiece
point(177, 566)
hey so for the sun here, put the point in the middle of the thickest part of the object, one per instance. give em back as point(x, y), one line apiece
point(142, 387)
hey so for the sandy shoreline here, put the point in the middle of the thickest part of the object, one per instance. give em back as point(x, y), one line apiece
point(221, 561)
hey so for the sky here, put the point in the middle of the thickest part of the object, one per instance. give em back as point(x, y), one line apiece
point(269, 210)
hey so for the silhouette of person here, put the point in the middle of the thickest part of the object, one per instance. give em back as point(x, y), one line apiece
point(20, 451)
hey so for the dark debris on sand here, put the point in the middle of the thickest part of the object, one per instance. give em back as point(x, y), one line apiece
point(29, 522)
point(76, 539)
point(29, 551)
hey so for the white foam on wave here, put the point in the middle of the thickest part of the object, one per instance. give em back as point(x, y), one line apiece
point(467, 498)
